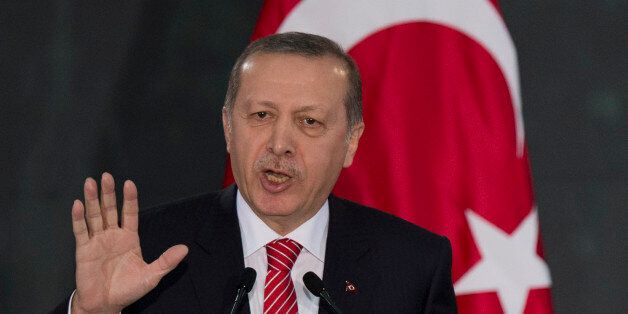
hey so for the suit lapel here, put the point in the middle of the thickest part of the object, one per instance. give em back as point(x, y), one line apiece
point(216, 259)
point(347, 247)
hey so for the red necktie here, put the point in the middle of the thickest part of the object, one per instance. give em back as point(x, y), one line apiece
point(279, 294)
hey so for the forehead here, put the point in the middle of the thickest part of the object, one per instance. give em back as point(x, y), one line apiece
point(292, 78)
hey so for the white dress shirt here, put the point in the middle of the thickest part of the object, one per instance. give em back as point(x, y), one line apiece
point(312, 235)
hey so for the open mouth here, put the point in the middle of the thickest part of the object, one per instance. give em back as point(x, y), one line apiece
point(276, 177)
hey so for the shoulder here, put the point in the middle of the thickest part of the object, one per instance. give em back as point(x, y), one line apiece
point(179, 222)
point(387, 229)
point(407, 257)
point(182, 211)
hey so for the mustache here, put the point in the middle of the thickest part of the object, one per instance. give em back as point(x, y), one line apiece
point(272, 162)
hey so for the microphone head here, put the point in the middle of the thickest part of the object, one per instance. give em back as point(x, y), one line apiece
point(313, 283)
point(247, 279)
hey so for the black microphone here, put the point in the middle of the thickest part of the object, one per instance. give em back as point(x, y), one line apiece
point(315, 285)
point(247, 279)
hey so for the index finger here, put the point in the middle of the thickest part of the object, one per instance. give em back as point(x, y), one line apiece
point(130, 207)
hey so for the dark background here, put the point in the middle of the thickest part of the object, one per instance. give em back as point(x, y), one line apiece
point(136, 87)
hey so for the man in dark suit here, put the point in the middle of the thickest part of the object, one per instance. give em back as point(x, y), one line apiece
point(292, 121)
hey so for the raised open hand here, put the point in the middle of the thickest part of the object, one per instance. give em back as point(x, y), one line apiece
point(110, 270)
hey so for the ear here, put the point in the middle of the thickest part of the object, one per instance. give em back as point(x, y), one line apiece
point(354, 140)
point(226, 128)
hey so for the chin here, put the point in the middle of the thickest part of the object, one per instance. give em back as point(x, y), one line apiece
point(274, 206)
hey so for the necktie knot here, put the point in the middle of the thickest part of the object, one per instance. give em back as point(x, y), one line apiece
point(282, 253)
point(279, 294)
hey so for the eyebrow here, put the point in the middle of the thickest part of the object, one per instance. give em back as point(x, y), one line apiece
point(309, 108)
point(264, 103)
point(272, 105)
point(267, 103)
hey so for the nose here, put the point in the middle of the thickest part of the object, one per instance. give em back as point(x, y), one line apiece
point(281, 140)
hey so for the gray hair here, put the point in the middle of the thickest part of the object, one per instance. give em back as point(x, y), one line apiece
point(309, 46)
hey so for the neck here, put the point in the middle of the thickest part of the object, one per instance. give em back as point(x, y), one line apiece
point(285, 224)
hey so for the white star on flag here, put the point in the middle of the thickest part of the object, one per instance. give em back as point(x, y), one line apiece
point(509, 265)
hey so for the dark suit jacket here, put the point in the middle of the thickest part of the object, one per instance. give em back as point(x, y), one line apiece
point(396, 266)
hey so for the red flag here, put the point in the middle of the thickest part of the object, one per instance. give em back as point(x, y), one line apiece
point(444, 144)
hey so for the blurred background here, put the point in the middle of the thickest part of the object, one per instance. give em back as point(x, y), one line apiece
point(136, 87)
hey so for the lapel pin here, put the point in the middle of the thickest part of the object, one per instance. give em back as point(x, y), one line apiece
point(350, 287)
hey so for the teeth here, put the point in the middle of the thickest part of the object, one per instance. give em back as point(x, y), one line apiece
point(276, 177)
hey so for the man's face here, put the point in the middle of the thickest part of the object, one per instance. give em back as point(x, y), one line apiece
point(288, 135)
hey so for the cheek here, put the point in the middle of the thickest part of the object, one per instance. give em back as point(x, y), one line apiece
point(246, 148)
point(324, 160)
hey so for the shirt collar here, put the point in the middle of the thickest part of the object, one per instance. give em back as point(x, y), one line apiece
point(312, 234)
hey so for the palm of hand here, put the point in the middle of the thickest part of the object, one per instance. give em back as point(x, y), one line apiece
point(110, 270)
point(113, 270)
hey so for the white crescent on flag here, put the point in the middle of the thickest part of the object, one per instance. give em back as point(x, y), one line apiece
point(349, 22)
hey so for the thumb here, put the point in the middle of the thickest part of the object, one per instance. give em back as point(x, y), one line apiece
point(164, 264)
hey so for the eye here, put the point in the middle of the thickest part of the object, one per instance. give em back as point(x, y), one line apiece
point(261, 115)
point(310, 121)
point(312, 127)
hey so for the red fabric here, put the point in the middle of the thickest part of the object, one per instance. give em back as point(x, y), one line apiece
point(279, 294)
point(272, 14)
point(439, 139)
